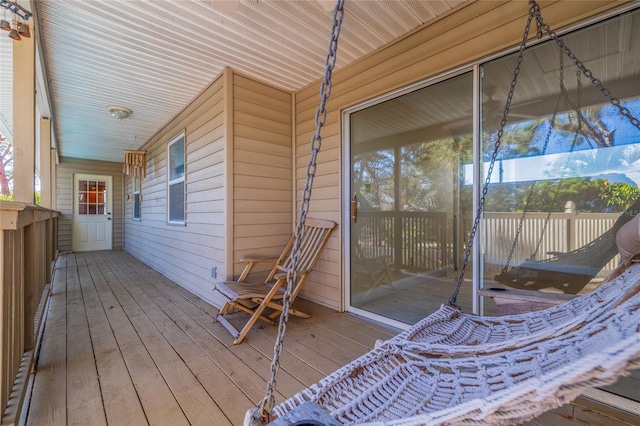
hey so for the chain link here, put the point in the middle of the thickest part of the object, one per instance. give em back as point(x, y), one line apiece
point(585, 71)
point(527, 203)
point(494, 156)
point(268, 402)
point(541, 27)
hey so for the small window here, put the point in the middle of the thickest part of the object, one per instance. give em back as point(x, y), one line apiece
point(176, 185)
point(136, 198)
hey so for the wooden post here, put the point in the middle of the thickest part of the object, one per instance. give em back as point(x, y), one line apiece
point(30, 298)
point(24, 120)
point(46, 194)
point(54, 178)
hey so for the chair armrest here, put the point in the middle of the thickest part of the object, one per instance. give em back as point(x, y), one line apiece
point(258, 259)
point(250, 261)
point(285, 271)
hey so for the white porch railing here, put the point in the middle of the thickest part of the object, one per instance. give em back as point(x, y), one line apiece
point(28, 236)
point(429, 241)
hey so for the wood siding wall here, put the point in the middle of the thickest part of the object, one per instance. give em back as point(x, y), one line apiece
point(469, 33)
point(262, 170)
point(64, 198)
point(185, 253)
point(238, 178)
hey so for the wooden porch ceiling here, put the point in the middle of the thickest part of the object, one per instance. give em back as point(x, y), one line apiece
point(123, 345)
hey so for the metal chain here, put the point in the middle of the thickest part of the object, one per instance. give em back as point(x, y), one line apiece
point(494, 156)
point(574, 143)
point(595, 81)
point(534, 12)
point(527, 203)
point(268, 402)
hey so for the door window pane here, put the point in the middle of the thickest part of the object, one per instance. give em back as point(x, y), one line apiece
point(92, 197)
point(567, 175)
point(407, 165)
point(176, 184)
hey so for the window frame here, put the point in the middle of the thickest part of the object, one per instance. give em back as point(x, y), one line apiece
point(181, 138)
point(137, 199)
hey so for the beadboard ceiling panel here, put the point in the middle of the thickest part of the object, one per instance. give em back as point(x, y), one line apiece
point(156, 56)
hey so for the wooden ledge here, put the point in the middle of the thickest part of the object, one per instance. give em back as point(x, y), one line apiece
point(15, 215)
point(511, 301)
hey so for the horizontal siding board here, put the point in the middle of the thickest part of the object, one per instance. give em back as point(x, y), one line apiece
point(262, 171)
point(259, 88)
point(205, 134)
point(251, 230)
point(261, 194)
point(263, 100)
point(265, 218)
point(263, 147)
point(261, 158)
point(244, 181)
point(185, 254)
point(261, 124)
point(249, 132)
point(253, 109)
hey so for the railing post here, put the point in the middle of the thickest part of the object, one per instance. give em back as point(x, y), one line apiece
point(397, 241)
point(24, 122)
point(31, 273)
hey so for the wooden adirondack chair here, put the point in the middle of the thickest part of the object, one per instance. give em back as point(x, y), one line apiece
point(255, 298)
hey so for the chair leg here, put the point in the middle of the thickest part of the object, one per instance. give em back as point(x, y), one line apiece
point(257, 313)
point(222, 320)
point(278, 311)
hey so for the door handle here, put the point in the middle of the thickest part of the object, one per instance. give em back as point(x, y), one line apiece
point(354, 209)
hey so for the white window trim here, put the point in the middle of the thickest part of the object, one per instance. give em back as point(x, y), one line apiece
point(178, 180)
point(137, 192)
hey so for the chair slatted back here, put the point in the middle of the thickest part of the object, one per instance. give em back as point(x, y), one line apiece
point(316, 236)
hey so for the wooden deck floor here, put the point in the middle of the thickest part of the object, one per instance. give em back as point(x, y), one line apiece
point(123, 345)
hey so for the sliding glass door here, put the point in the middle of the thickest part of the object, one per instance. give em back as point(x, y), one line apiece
point(410, 205)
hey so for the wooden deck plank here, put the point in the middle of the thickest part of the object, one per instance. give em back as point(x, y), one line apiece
point(233, 360)
point(48, 399)
point(84, 399)
point(158, 402)
point(247, 357)
point(197, 404)
point(120, 399)
point(159, 352)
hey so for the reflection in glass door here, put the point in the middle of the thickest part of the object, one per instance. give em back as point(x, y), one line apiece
point(410, 204)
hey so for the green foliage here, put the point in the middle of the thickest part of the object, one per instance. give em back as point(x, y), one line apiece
point(589, 195)
point(619, 196)
point(4, 197)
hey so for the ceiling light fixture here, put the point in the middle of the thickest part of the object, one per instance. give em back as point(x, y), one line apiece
point(20, 28)
point(119, 112)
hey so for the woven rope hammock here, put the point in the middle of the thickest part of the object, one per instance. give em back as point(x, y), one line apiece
point(456, 368)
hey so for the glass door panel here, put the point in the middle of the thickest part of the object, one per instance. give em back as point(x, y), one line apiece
point(567, 175)
point(410, 201)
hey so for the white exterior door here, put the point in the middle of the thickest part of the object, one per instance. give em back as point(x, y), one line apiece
point(92, 218)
